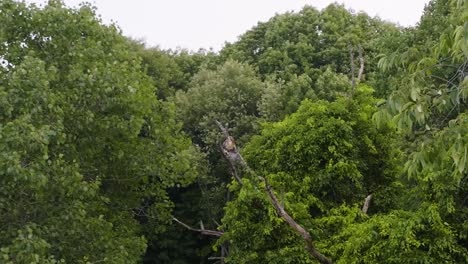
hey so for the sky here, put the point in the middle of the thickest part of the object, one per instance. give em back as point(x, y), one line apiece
point(206, 24)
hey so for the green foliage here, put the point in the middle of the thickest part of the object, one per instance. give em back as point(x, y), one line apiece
point(322, 146)
point(399, 237)
point(170, 70)
point(432, 88)
point(229, 94)
point(325, 155)
point(429, 106)
point(306, 55)
point(282, 98)
point(93, 160)
point(300, 43)
point(84, 142)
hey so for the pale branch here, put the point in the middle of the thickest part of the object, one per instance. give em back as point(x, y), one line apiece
point(216, 222)
point(361, 61)
point(230, 152)
point(202, 231)
point(292, 223)
point(361, 67)
point(223, 129)
point(366, 205)
point(279, 209)
point(232, 164)
point(351, 64)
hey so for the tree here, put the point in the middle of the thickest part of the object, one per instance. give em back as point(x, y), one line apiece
point(322, 161)
point(172, 70)
point(298, 53)
point(228, 94)
point(87, 150)
point(429, 109)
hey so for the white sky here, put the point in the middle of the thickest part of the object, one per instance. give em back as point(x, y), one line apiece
point(194, 24)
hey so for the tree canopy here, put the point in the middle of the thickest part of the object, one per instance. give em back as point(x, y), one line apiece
point(320, 136)
point(87, 150)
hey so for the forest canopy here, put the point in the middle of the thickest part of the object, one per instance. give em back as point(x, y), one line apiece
point(319, 136)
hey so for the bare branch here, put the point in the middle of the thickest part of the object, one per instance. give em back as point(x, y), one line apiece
point(361, 61)
point(230, 152)
point(223, 129)
point(232, 164)
point(203, 231)
point(366, 205)
point(351, 64)
point(216, 222)
point(292, 223)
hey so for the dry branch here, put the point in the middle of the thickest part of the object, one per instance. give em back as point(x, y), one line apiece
point(361, 67)
point(351, 64)
point(202, 230)
point(298, 228)
point(232, 164)
point(361, 62)
point(230, 152)
point(366, 205)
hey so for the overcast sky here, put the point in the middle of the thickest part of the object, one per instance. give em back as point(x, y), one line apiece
point(208, 24)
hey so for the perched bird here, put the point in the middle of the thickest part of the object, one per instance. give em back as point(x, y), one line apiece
point(229, 144)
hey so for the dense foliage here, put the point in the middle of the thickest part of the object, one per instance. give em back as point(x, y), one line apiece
point(87, 150)
point(323, 158)
point(105, 143)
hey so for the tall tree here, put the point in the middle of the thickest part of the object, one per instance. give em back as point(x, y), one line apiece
point(87, 150)
point(322, 162)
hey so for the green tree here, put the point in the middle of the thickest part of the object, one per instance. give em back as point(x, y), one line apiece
point(322, 161)
point(228, 94)
point(87, 150)
point(172, 70)
point(429, 108)
point(294, 52)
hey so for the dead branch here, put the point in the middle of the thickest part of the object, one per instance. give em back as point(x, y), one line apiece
point(366, 205)
point(361, 67)
point(230, 152)
point(298, 228)
point(351, 63)
point(223, 129)
point(232, 165)
point(361, 62)
point(202, 231)
point(280, 210)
